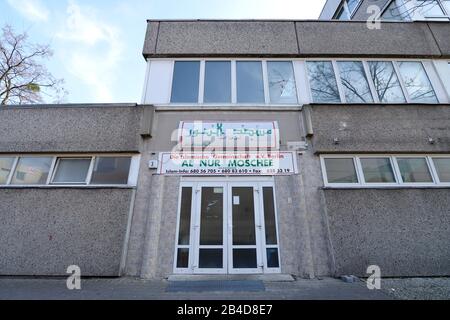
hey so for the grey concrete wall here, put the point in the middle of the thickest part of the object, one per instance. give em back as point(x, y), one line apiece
point(66, 128)
point(295, 39)
point(374, 128)
point(43, 231)
point(406, 231)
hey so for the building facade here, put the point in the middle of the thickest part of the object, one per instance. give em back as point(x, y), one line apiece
point(310, 148)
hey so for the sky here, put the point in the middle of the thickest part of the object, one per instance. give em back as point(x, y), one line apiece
point(97, 44)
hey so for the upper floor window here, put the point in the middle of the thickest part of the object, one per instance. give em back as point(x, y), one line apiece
point(217, 81)
point(354, 81)
point(249, 80)
point(324, 88)
point(386, 82)
point(417, 10)
point(186, 75)
point(346, 9)
point(281, 82)
point(416, 82)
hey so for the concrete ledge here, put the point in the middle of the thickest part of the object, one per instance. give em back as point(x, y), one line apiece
point(233, 277)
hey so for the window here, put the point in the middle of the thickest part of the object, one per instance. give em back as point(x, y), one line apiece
point(6, 164)
point(352, 4)
point(217, 82)
point(281, 82)
point(347, 9)
point(323, 83)
point(354, 82)
point(430, 9)
point(185, 82)
point(416, 82)
point(342, 14)
point(377, 170)
point(442, 166)
point(250, 85)
point(385, 170)
point(71, 170)
point(340, 170)
point(386, 82)
point(32, 170)
point(396, 10)
point(111, 170)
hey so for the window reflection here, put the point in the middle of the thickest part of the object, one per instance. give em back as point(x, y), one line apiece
point(281, 82)
point(111, 170)
point(377, 170)
point(341, 170)
point(414, 170)
point(5, 169)
point(32, 170)
point(185, 82)
point(416, 82)
point(322, 80)
point(217, 81)
point(354, 81)
point(250, 85)
point(386, 82)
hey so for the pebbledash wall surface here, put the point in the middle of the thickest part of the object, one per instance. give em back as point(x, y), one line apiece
point(131, 230)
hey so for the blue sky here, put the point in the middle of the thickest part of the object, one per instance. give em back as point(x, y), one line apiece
point(97, 44)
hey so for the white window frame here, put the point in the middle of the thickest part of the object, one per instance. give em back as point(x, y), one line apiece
point(132, 174)
point(55, 169)
point(394, 166)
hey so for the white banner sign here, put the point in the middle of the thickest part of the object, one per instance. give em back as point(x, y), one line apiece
point(239, 163)
point(229, 135)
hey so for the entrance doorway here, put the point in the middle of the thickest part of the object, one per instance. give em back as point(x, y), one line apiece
point(227, 226)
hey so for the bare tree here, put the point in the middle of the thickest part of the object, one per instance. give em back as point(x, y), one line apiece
point(405, 9)
point(23, 77)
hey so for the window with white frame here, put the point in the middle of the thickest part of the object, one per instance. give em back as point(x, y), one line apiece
point(347, 9)
point(68, 170)
point(386, 170)
point(234, 81)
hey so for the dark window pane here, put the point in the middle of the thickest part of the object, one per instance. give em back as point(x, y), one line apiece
point(5, 169)
point(354, 82)
point(244, 258)
point(185, 82)
point(32, 170)
point(211, 224)
point(386, 82)
point(416, 82)
point(217, 81)
point(443, 168)
point(414, 170)
point(377, 170)
point(341, 170)
point(243, 216)
point(323, 83)
point(269, 216)
point(352, 5)
point(183, 258)
point(281, 82)
point(111, 170)
point(210, 258)
point(272, 258)
point(72, 170)
point(396, 11)
point(185, 216)
point(250, 85)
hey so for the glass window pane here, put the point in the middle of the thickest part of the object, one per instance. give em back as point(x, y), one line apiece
point(211, 224)
point(217, 81)
point(244, 258)
point(5, 169)
point(210, 258)
point(111, 170)
point(183, 258)
point(354, 81)
point(352, 5)
point(416, 81)
point(281, 82)
point(446, 4)
point(32, 170)
point(272, 258)
point(429, 8)
point(442, 166)
point(386, 82)
point(342, 14)
point(243, 216)
point(341, 170)
point(377, 170)
point(250, 85)
point(396, 11)
point(185, 82)
point(72, 170)
point(269, 216)
point(185, 216)
point(323, 83)
point(414, 170)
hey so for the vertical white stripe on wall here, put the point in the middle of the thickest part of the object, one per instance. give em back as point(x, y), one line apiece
point(159, 82)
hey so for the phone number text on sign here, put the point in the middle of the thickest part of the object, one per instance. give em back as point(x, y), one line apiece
point(253, 163)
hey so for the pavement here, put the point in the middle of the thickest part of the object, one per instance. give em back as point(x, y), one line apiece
point(138, 289)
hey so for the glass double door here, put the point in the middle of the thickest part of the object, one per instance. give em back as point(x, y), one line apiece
point(233, 228)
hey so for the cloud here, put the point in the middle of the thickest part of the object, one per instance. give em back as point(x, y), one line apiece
point(93, 50)
point(33, 10)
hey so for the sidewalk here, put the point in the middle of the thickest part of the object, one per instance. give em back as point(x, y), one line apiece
point(137, 289)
